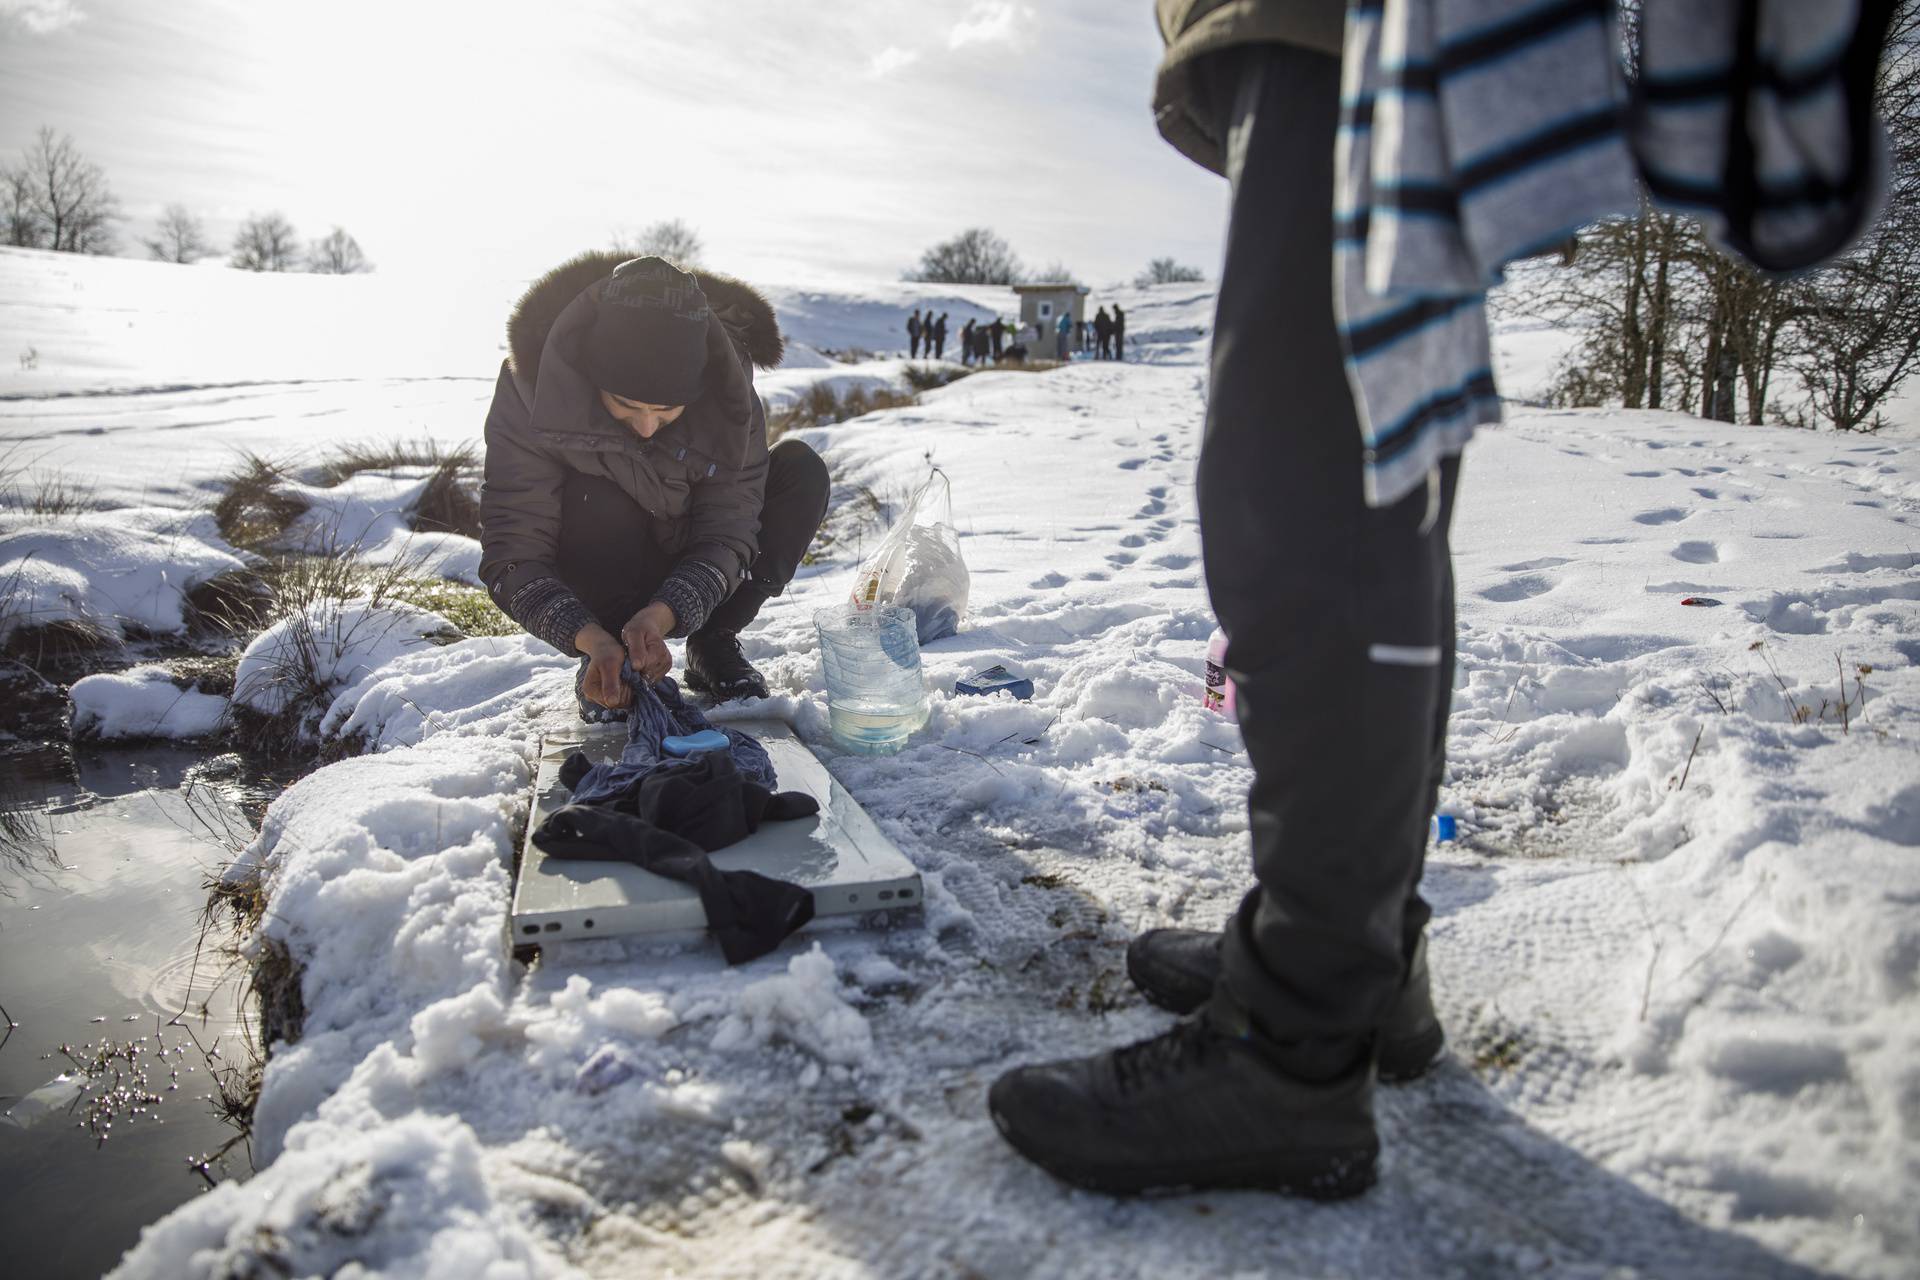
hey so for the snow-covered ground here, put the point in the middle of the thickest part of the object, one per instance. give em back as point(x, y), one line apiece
point(1676, 950)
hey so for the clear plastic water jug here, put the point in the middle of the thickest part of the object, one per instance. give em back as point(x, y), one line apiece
point(875, 696)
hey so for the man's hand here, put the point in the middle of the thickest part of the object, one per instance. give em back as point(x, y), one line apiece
point(604, 656)
point(645, 636)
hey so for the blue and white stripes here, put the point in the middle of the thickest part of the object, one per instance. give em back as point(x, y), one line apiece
point(1477, 132)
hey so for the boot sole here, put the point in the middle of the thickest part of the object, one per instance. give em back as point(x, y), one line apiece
point(701, 686)
point(1309, 1175)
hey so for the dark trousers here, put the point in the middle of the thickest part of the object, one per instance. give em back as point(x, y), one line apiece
point(611, 559)
point(1339, 617)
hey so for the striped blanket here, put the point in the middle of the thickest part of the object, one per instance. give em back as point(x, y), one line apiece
point(1477, 132)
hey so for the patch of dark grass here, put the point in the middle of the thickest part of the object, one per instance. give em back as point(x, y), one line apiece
point(234, 603)
point(926, 377)
point(52, 495)
point(62, 650)
point(254, 507)
point(204, 672)
point(351, 459)
point(450, 503)
point(467, 607)
point(822, 406)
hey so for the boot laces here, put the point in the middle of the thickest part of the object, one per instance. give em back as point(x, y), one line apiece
point(1147, 1062)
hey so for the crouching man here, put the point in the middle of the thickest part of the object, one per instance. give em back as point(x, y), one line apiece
point(630, 495)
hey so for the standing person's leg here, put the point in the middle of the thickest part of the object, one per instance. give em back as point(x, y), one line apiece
point(798, 487)
point(1333, 611)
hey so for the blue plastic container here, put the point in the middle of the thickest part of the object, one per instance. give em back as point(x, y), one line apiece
point(875, 694)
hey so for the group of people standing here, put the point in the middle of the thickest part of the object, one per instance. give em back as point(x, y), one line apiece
point(1105, 336)
point(979, 343)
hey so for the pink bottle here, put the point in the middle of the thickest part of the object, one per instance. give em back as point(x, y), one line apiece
point(1218, 694)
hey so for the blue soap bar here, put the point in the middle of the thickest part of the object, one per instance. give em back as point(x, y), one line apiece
point(693, 743)
point(993, 680)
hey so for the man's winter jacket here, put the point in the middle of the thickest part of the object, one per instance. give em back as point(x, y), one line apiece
point(1196, 28)
point(702, 479)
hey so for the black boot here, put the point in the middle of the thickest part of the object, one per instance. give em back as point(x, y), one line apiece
point(1176, 968)
point(717, 667)
point(1189, 1109)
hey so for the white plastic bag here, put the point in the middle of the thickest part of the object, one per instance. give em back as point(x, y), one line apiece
point(918, 565)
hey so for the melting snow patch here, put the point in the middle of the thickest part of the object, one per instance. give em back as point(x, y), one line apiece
point(142, 703)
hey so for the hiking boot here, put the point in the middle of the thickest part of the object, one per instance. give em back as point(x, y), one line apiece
point(1192, 1108)
point(1176, 968)
point(717, 668)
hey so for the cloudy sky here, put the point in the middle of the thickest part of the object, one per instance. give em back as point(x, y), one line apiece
point(802, 140)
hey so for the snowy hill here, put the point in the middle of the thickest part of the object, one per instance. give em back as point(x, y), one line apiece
point(1675, 950)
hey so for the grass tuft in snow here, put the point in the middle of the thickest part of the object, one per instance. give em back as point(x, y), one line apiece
point(926, 377)
point(254, 508)
point(467, 607)
point(822, 406)
point(451, 502)
point(296, 679)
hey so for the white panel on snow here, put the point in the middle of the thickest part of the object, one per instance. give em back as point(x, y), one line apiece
point(839, 854)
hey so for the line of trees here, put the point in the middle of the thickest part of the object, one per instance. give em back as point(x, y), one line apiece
point(1669, 322)
point(55, 198)
point(979, 256)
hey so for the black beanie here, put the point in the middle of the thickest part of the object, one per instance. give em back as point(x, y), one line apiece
point(649, 337)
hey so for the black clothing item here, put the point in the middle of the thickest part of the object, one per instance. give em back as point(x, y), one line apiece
point(717, 667)
point(1119, 333)
point(1188, 1109)
point(665, 814)
point(1102, 333)
point(913, 335)
point(649, 337)
point(1305, 577)
point(610, 560)
point(998, 330)
point(748, 913)
point(966, 343)
point(1176, 970)
point(940, 336)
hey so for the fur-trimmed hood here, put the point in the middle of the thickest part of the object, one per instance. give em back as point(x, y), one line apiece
point(745, 312)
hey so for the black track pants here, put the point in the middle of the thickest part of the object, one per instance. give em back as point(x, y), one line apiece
point(609, 557)
point(1339, 617)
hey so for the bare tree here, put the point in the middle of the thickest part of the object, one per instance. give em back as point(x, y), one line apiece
point(975, 256)
point(1167, 271)
point(265, 242)
point(672, 239)
point(58, 199)
point(337, 255)
point(23, 229)
point(179, 236)
point(1055, 272)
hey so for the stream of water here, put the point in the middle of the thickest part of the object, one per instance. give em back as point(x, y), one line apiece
point(123, 1020)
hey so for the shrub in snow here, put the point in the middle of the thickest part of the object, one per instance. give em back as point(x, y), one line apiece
point(113, 572)
point(292, 669)
point(142, 703)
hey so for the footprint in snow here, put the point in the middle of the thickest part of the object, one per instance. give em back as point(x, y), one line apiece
point(1527, 566)
point(1645, 475)
point(1661, 515)
point(1132, 464)
point(1697, 553)
point(1048, 580)
point(1524, 587)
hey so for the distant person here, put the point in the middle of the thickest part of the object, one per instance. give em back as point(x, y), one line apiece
point(1063, 330)
point(1119, 333)
point(1103, 333)
point(939, 335)
point(966, 343)
point(913, 335)
point(634, 498)
point(998, 331)
point(980, 344)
